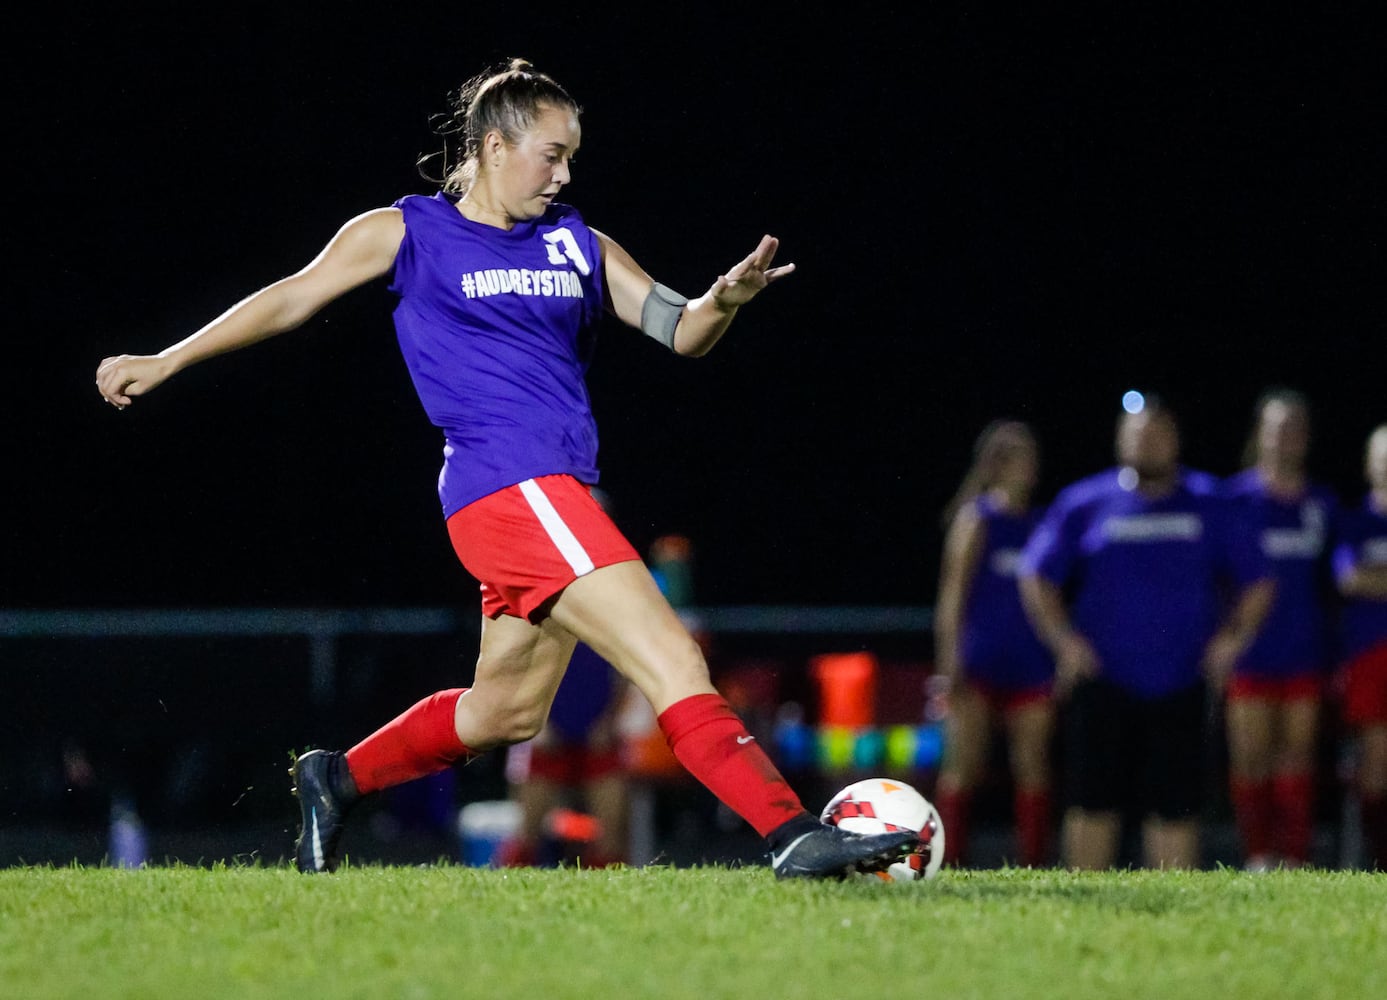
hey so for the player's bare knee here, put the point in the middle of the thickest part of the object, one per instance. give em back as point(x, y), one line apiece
point(490, 723)
point(520, 724)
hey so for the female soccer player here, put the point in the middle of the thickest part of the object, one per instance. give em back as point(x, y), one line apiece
point(1274, 695)
point(1360, 568)
point(501, 288)
point(1124, 578)
point(996, 668)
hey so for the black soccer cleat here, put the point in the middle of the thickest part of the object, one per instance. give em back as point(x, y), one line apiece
point(323, 812)
point(829, 852)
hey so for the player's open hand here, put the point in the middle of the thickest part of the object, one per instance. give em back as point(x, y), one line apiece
point(741, 283)
point(121, 378)
point(1220, 656)
point(1075, 660)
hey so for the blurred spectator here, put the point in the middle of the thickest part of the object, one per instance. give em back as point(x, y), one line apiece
point(1275, 693)
point(995, 668)
point(570, 780)
point(1360, 568)
point(1125, 581)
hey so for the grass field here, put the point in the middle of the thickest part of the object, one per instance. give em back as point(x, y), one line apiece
point(452, 931)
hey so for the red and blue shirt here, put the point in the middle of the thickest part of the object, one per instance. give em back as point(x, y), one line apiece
point(1362, 541)
point(1295, 536)
point(997, 644)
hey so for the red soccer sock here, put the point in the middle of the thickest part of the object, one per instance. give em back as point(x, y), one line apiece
point(1252, 802)
point(954, 805)
point(421, 740)
point(1032, 808)
point(710, 741)
point(1293, 797)
point(1372, 813)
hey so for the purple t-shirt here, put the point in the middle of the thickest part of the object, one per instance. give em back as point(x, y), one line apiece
point(1362, 541)
point(996, 643)
point(1146, 580)
point(1295, 537)
point(497, 328)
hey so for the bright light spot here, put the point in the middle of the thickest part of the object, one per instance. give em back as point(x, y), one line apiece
point(1133, 401)
point(1127, 478)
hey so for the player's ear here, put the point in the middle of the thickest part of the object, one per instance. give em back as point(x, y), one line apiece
point(492, 144)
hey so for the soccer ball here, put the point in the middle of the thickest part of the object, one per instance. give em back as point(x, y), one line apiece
point(884, 805)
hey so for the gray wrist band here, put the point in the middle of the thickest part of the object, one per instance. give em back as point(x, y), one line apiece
point(660, 313)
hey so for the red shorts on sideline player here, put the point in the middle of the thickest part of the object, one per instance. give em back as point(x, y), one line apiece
point(1296, 687)
point(1365, 687)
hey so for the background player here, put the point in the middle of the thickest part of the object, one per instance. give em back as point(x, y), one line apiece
point(1360, 567)
point(570, 780)
point(501, 289)
point(1275, 693)
point(996, 668)
point(1124, 579)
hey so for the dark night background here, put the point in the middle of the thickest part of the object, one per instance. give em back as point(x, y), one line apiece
point(993, 214)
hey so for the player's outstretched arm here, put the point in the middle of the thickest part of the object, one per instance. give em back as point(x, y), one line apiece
point(1365, 581)
point(1244, 620)
point(362, 249)
point(705, 319)
point(1075, 658)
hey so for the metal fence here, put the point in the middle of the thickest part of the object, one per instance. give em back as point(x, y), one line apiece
point(185, 716)
point(189, 715)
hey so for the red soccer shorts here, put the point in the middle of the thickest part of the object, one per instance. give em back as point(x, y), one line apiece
point(1365, 689)
point(527, 542)
point(1005, 699)
point(1296, 687)
point(571, 765)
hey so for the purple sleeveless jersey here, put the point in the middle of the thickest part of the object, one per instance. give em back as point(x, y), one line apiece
point(497, 329)
point(1295, 537)
point(1362, 541)
point(1146, 578)
point(997, 644)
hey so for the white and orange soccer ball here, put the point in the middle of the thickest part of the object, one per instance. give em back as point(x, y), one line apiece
point(885, 805)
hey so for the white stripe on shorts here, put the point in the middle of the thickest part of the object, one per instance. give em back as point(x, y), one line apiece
point(564, 540)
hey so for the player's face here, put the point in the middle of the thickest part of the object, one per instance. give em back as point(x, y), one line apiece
point(535, 169)
point(1149, 442)
point(1019, 467)
point(1283, 433)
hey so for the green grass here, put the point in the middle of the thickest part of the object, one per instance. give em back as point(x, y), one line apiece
point(450, 931)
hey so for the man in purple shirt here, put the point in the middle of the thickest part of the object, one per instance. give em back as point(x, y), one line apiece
point(1125, 579)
